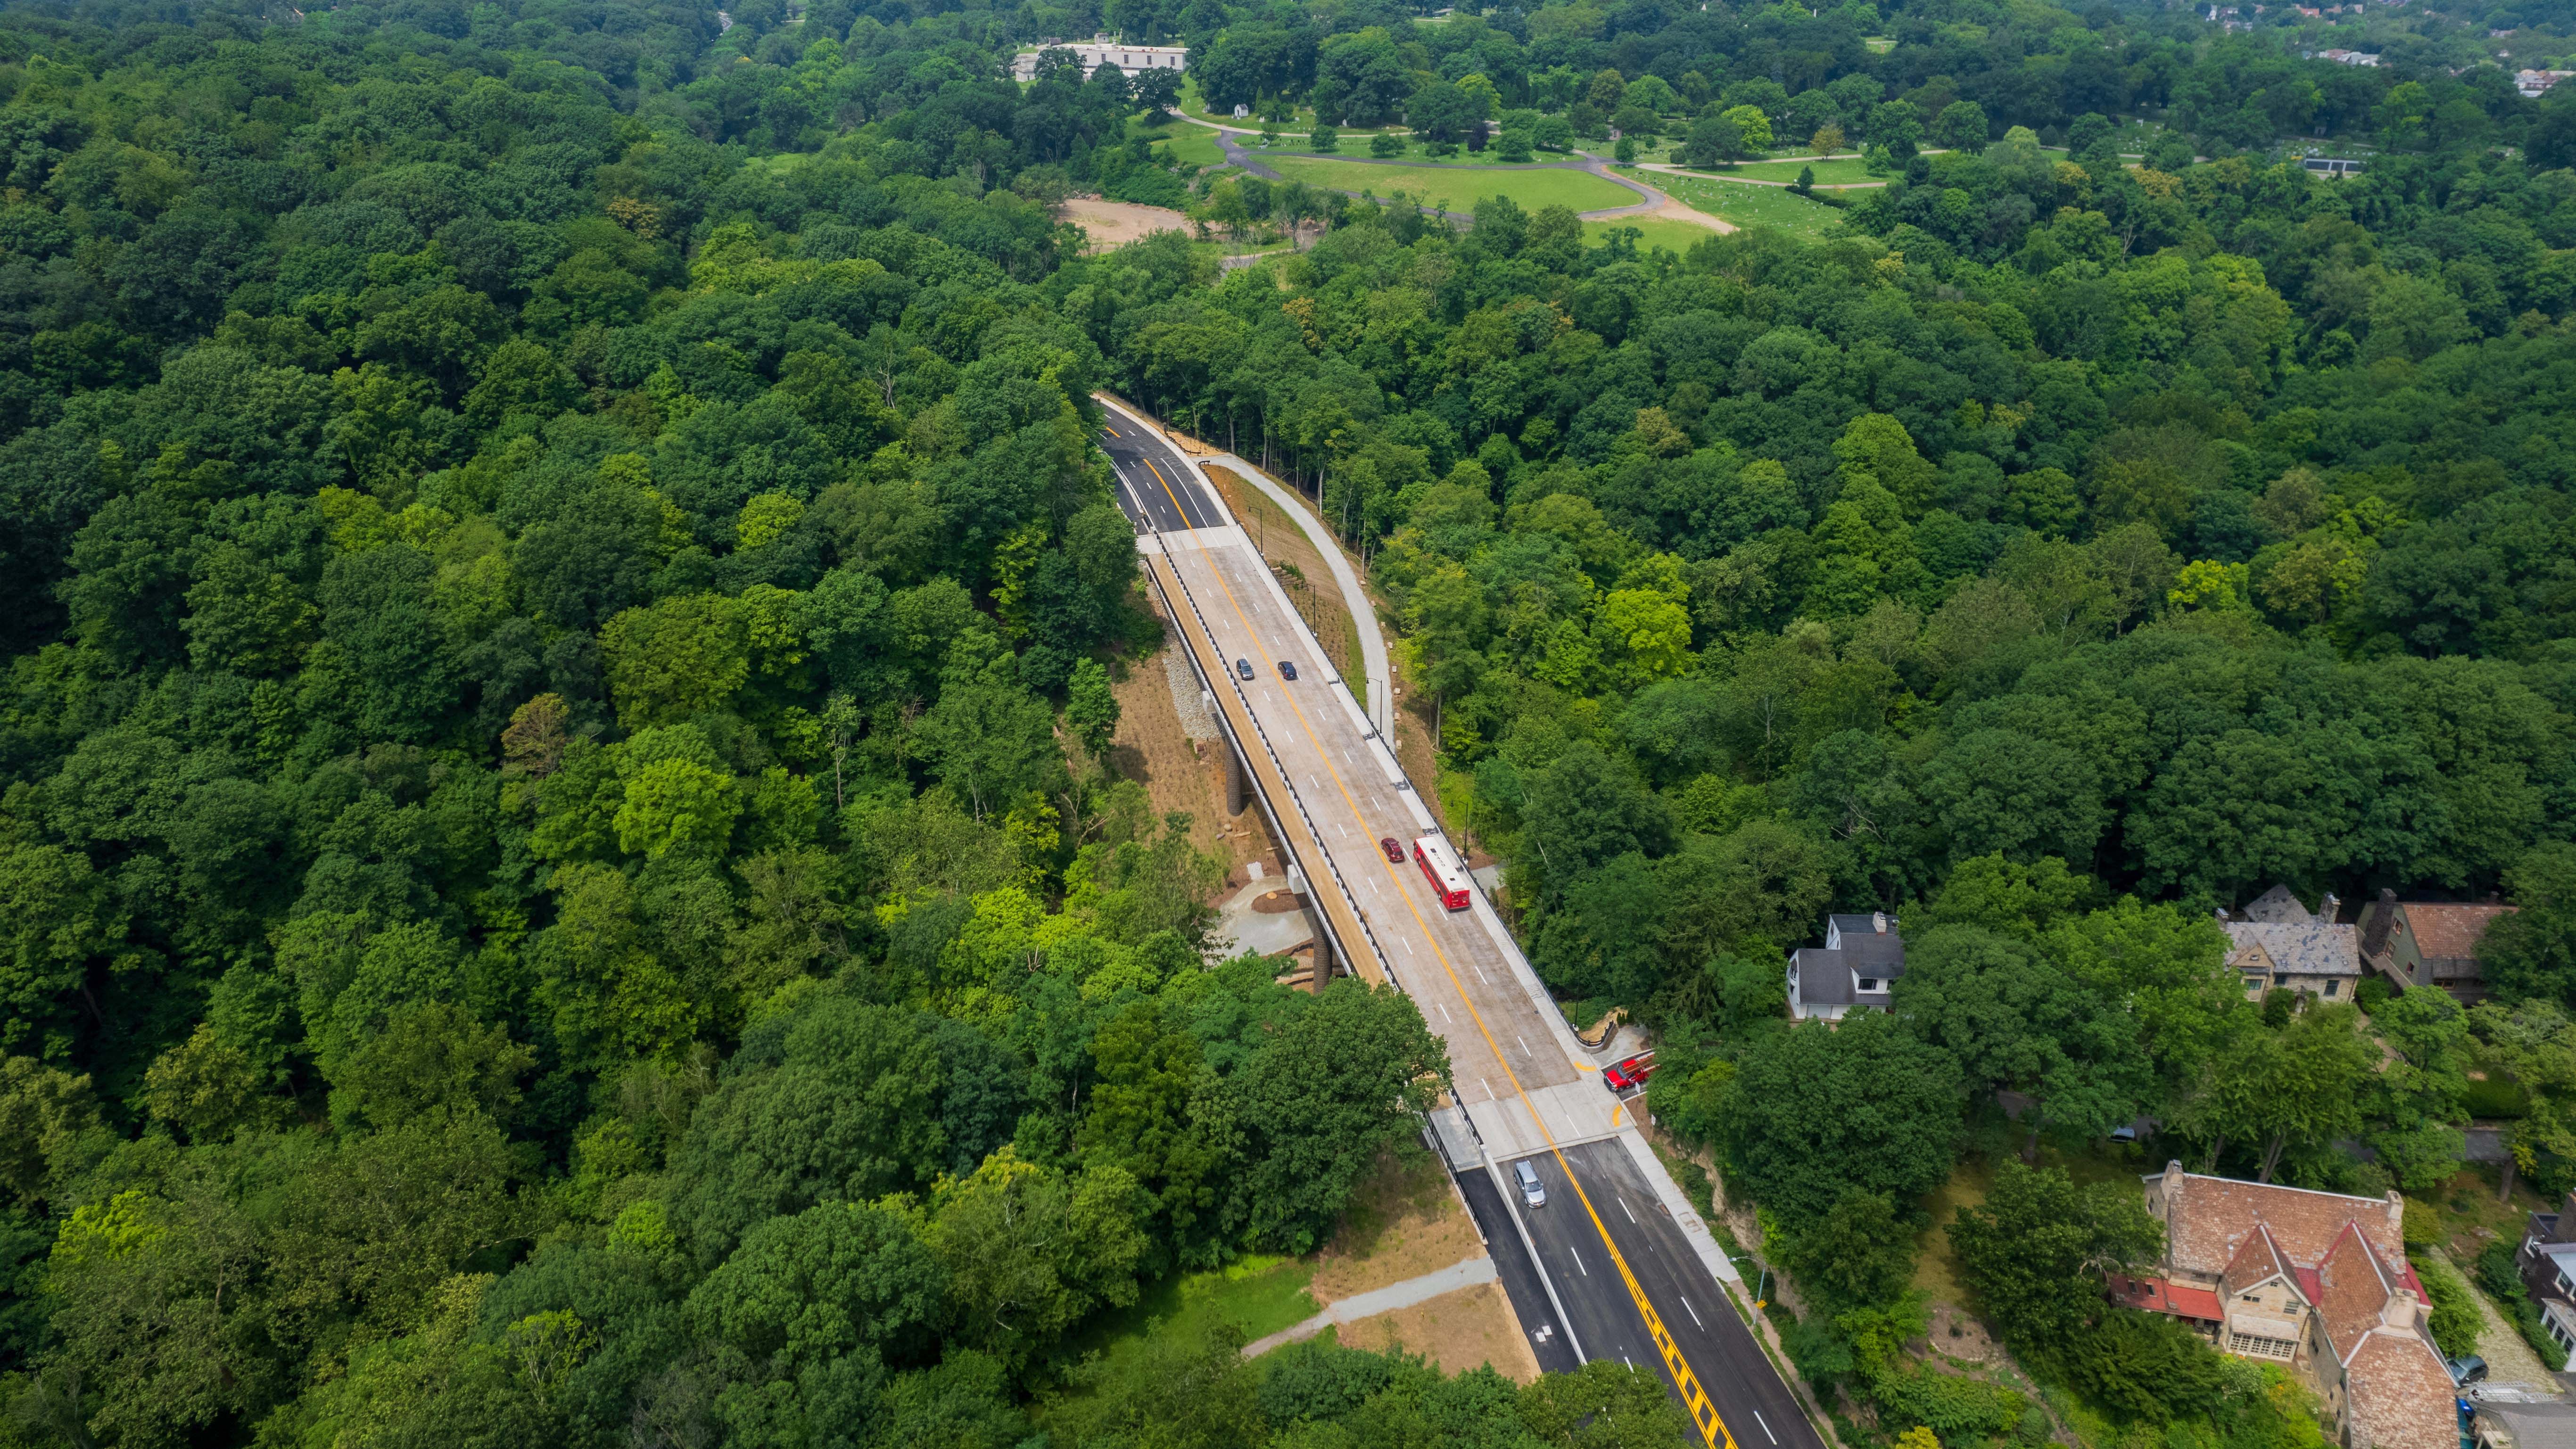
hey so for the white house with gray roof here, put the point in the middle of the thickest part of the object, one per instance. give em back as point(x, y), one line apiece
point(1855, 968)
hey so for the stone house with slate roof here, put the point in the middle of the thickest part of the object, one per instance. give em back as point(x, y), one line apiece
point(1856, 968)
point(2428, 943)
point(2277, 942)
point(2315, 1281)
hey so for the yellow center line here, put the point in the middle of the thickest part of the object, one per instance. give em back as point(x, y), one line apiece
point(1703, 1413)
point(1168, 493)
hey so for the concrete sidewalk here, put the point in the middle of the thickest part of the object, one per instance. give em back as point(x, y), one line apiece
point(1379, 703)
point(1380, 1300)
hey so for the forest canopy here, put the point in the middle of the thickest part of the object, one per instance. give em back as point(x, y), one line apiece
point(559, 872)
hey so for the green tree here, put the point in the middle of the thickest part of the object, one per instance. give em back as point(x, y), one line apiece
point(1091, 707)
point(2035, 1250)
point(677, 658)
point(2014, 1020)
point(1030, 1250)
point(1818, 1111)
point(2302, 1085)
point(1337, 1083)
point(2532, 952)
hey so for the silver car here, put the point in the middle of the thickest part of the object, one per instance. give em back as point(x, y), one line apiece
point(1533, 1191)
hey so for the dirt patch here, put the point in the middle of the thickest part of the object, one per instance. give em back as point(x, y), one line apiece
point(1152, 748)
point(1278, 903)
point(1113, 224)
point(1456, 1331)
point(1675, 209)
point(1403, 1222)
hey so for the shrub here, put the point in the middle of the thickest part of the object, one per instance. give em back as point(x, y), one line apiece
point(2454, 1320)
point(1386, 145)
point(2498, 1275)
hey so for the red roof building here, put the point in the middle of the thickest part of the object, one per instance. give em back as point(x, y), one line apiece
point(2316, 1281)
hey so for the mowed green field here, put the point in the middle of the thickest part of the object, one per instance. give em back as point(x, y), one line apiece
point(1743, 205)
point(1457, 188)
point(1653, 232)
point(1841, 171)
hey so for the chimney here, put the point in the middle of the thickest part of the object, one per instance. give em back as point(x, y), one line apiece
point(2565, 1231)
point(2383, 917)
point(2327, 908)
point(1878, 922)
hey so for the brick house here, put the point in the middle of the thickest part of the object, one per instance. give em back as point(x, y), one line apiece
point(2428, 943)
point(2277, 942)
point(2315, 1281)
point(1856, 967)
point(2548, 1264)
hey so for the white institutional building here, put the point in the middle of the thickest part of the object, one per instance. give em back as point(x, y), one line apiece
point(1100, 50)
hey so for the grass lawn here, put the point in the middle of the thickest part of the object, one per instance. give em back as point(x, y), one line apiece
point(1457, 189)
point(2472, 1215)
point(1769, 206)
point(1191, 145)
point(1672, 236)
point(1259, 1295)
point(1841, 171)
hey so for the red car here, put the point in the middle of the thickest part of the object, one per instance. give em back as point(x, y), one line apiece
point(1629, 1075)
point(1394, 851)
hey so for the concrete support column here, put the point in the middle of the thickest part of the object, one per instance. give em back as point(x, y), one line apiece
point(1237, 792)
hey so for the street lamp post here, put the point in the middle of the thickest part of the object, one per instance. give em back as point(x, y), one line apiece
point(1760, 1293)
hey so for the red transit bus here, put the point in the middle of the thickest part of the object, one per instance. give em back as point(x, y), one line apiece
point(1440, 866)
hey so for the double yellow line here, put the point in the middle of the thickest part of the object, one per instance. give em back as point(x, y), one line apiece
point(1703, 1412)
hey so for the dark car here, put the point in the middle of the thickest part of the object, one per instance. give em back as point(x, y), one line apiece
point(1394, 851)
point(1243, 667)
point(1287, 670)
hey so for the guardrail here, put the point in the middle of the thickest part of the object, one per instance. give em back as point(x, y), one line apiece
point(1278, 766)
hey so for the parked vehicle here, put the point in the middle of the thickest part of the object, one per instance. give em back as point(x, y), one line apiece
point(1533, 1191)
point(2467, 1369)
point(1627, 1076)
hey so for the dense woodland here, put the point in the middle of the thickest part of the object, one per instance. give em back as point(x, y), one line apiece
point(558, 876)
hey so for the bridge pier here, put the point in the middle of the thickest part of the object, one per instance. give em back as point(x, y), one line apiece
point(1237, 793)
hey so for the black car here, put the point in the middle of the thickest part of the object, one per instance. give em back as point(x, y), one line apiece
point(1243, 667)
point(1287, 670)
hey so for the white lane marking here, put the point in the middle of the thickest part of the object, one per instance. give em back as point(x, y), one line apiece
point(1488, 1086)
point(1578, 1259)
point(1630, 1362)
point(1524, 1041)
point(1408, 947)
point(1693, 1312)
point(1766, 1427)
point(1623, 1207)
point(1445, 1016)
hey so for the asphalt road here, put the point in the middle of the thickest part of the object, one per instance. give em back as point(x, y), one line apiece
point(1756, 1406)
point(1519, 1275)
point(1505, 1056)
point(1160, 492)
